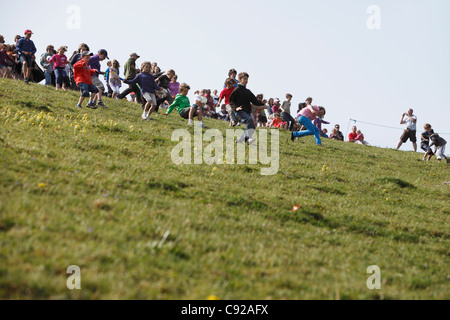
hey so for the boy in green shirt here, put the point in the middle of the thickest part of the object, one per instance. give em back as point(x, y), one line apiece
point(184, 106)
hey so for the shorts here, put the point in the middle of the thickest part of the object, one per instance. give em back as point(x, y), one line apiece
point(185, 113)
point(409, 134)
point(440, 153)
point(425, 147)
point(96, 82)
point(27, 59)
point(150, 97)
point(86, 89)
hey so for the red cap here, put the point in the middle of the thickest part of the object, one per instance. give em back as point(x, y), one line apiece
point(28, 31)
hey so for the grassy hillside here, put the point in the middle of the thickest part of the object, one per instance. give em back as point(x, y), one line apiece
point(98, 189)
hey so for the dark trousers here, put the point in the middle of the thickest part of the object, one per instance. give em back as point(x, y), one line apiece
point(289, 119)
point(132, 88)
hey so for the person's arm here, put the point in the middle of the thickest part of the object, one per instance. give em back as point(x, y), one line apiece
point(255, 101)
point(33, 48)
point(174, 105)
point(403, 119)
point(132, 82)
point(325, 122)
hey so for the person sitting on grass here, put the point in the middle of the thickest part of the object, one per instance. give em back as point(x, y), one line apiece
point(439, 144)
point(352, 136)
point(278, 122)
point(83, 78)
point(325, 133)
point(5, 69)
point(425, 144)
point(148, 85)
point(360, 138)
point(305, 118)
point(184, 107)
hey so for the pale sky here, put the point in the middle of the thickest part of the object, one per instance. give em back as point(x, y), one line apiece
point(322, 49)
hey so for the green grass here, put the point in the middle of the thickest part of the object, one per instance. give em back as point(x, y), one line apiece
point(84, 187)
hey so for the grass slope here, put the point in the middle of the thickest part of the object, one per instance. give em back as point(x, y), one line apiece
point(98, 189)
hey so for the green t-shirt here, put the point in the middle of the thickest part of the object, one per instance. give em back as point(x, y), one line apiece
point(181, 102)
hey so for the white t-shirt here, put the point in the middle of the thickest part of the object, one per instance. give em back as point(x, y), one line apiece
point(411, 125)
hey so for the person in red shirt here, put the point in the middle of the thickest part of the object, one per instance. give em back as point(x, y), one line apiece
point(352, 137)
point(225, 94)
point(83, 78)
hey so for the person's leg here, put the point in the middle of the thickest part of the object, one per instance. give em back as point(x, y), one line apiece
point(310, 130)
point(125, 92)
point(415, 146)
point(233, 119)
point(84, 88)
point(48, 78)
point(8, 72)
point(58, 74)
point(94, 91)
point(137, 91)
point(65, 79)
point(248, 120)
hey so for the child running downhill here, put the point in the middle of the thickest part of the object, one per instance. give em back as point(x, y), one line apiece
point(184, 106)
point(148, 85)
point(305, 118)
point(59, 61)
point(83, 78)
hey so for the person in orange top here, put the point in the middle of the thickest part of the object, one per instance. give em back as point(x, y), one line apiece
point(279, 123)
point(83, 78)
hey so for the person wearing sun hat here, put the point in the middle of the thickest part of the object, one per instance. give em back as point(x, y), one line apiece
point(94, 63)
point(26, 50)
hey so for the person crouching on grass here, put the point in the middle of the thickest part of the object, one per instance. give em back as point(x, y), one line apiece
point(149, 87)
point(83, 78)
point(439, 144)
point(184, 107)
point(305, 118)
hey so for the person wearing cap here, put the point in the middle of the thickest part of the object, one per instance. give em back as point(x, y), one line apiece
point(26, 50)
point(130, 74)
point(83, 78)
point(76, 56)
point(94, 63)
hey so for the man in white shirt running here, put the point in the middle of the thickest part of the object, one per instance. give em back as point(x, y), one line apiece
point(410, 132)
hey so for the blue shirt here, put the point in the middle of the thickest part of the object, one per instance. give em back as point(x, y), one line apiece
point(25, 45)
point(145, 81)
point(94, 63)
